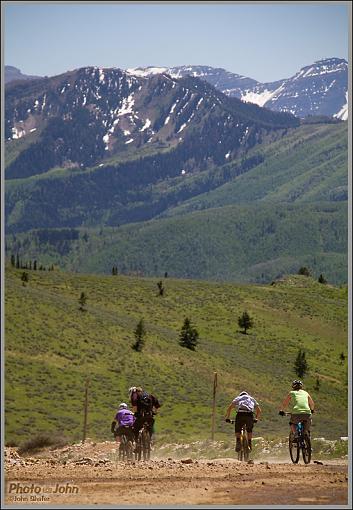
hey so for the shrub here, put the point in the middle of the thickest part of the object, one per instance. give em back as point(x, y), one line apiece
point(41, 441)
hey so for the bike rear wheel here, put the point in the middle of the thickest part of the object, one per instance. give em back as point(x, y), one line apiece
point(293, 449)
point(306, 449)
point(146, 445)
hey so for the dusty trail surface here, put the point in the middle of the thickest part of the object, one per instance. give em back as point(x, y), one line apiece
point(74, 476)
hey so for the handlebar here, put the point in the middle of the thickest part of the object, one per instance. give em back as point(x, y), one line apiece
point(233, 421)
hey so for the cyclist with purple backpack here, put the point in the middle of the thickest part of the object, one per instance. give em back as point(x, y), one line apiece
point(125, 420)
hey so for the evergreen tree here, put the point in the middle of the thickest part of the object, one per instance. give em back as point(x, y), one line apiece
point(139, 333)
point(160, 288)
point(245, 322)
point(300, 364)
point(35, 265)
point(321, 279)
point(304, 271)
point(82, 301)
point(317, 384)
point(17, 261)
point(188, 335)
point(24, 278)
point(13, 260)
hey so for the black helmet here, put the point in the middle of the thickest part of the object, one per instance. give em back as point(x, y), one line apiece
point(296, 384)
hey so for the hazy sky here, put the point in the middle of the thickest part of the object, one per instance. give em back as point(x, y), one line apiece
point(262, 41)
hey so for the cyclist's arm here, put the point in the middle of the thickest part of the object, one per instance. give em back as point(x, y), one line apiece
point(285, 402)
point(258, 411)
point(311, 402)
point(230, 407)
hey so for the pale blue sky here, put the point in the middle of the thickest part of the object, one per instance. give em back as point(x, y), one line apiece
point(266, 42)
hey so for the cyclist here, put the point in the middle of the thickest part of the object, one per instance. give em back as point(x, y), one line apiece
point(245, 405)
point(145, 406)
point(302, 407)
point(125, 420)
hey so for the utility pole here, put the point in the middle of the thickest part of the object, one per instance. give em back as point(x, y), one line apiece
point(214, 404)
point(85, 411)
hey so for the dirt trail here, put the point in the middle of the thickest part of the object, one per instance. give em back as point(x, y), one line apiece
point(74, 476)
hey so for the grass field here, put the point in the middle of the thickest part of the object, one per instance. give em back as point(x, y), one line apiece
point(51, 347)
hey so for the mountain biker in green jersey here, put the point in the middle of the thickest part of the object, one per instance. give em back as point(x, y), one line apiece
point(302, 407)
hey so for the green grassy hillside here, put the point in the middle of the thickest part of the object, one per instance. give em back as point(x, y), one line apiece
point(256, 242)
point(308, 165)
point(51, 347)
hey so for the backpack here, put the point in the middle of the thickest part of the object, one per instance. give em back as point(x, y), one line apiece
point(145, 403)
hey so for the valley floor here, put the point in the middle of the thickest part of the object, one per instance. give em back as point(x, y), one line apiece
point(94, 476)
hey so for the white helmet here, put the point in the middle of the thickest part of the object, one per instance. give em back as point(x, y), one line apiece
point(123, 406)
point(132, 390)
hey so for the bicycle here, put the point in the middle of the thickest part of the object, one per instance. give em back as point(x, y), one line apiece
point(125, 447)
point(301, 443)
point(244, 452)
point(143, 445)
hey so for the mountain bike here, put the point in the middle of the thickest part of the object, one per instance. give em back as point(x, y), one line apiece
point(125, 447)
point(244, 452)
point(143, 445)
point(301, 443)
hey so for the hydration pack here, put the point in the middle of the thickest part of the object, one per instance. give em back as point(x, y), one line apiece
point(145, 403)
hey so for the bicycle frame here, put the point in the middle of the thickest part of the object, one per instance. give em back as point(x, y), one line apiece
point(301, 444)
point(243, 454)
point(143, 446)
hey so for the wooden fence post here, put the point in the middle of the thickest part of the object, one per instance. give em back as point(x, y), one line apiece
point(214, 404)
point(85, 411)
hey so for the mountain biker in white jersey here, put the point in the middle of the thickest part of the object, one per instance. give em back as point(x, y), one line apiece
point(245, 405)
point(302, 407)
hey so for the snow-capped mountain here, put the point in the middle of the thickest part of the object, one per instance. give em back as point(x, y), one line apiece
point(84, 117)
point(317, 89)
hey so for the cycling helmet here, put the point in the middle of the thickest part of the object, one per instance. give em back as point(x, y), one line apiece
point(243, 393)
point(296, 385)
point(123, 406)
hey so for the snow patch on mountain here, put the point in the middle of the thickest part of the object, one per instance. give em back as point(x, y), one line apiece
point(343, 113)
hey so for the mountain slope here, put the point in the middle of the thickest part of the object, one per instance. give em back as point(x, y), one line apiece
point(317, 89)
point(51, 348)
point(280, 194)
point(14, 74)
point(87, 116)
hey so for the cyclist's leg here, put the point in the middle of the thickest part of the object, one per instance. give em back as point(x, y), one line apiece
point(307, 424)
point(294, 419)
point(237, 428)
point(249, 427)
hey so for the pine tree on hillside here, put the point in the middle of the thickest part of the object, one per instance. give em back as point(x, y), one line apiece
point(304, 271)
point(24, 278)
point(188, 335)
point(139, 333)
point(321, 279)
point(160, 288)
point(300, 364)
point(245, 322)
point(82, 301)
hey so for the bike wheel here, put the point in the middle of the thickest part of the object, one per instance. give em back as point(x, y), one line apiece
point(241, 451)
point(122, 448)
point(293, 449)
point(146, 445)
point(245, 447)
point(306, 449)
point(139, 448)
point(129, 452)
